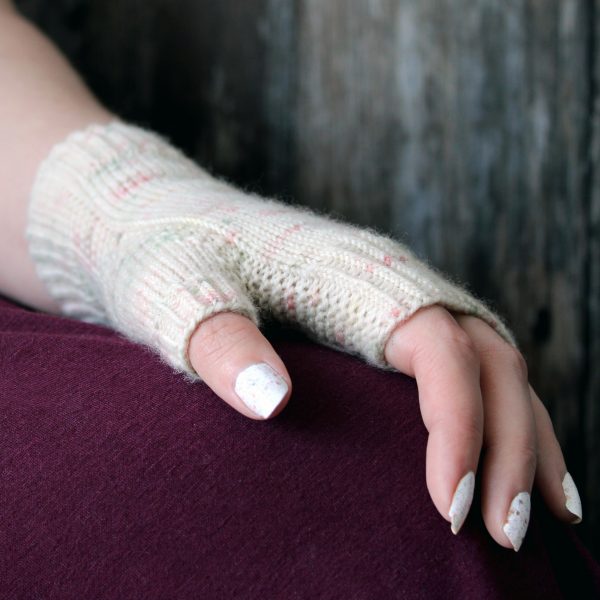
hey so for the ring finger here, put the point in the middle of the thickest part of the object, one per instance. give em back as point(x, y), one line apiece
point(551, 477)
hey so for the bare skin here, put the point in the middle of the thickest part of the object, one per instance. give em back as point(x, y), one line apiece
point(473, 387)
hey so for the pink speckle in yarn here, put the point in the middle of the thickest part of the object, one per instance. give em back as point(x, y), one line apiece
point(279, 240)
point(369, 267)
point(315, 298)
point(210, 297)
point(230, 237)
point(291, 302)
point(131, 184)
point(340, 337)
point(387, 261)
point(402, 258)
point(395, 313)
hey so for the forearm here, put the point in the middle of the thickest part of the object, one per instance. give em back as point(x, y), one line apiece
point(41, 102)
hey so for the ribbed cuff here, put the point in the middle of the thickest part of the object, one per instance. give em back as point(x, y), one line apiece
point(101, 262)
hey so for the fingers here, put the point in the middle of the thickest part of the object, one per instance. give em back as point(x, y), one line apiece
point(552, 478)
point(510, 436)
point(239, 364)
point(434, 349)
point(472, 388)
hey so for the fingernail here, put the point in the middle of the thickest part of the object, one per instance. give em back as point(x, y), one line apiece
point(573, 501)
point(461, 501)
point(517, 519)
point(261, 389)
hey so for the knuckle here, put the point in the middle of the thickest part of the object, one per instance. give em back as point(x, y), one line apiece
point(469, 434)
point(522, 450)
point(455, 336)
point(527, 453)
point(472, 431)
point(508, 355)
point(516, 362)
point(466, 428)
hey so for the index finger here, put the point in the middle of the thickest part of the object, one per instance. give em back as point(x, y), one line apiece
point(432, 347)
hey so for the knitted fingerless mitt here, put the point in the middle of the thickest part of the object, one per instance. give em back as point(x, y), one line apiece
point(128, 232)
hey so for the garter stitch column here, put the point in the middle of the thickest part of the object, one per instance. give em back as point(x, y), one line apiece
point(128, 232)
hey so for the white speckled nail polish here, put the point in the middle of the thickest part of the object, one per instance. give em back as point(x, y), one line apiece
point(517, 519)
point(461, 501)
point(261, 389)
point(573, 501)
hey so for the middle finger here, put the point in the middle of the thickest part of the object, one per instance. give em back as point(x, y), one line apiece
point(510, 437)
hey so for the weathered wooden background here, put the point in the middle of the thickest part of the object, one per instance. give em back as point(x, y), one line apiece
point(467, 128)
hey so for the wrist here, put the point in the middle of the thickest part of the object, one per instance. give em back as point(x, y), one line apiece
point(108, 248)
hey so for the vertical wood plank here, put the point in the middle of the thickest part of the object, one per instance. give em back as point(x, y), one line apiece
point(591, 389)
point(347, 129)
point(280, 98)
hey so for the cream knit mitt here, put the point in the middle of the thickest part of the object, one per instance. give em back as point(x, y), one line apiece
point(128, 232)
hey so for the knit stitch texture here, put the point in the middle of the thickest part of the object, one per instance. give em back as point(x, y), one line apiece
point(128, 232)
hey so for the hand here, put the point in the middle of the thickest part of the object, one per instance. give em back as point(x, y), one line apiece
point(173, 258)
point(473, 393)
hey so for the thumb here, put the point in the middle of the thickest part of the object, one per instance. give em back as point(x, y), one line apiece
point(239, 364)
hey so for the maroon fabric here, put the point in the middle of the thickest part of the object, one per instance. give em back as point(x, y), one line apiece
point(121, 480)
